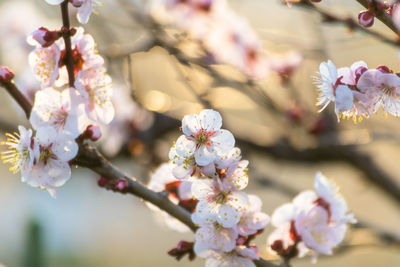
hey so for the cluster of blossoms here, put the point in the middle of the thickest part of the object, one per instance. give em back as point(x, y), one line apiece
point(206, 175)
point(358, 91)
point(227, 37)
point(313, 221)
point(60, 115)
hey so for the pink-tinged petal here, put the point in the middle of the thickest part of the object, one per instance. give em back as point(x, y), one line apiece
point(210, 120)
point(223, 142)
point(283, 214)
point(203, 155)
point(105, 112)
point(190, 124)
point(346, 75)
point(185, 190)
point(369, 80)
point(228, 215)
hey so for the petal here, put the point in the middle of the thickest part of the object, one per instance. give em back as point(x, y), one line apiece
point(54, 2)
point(283, 214)
point(84, 12)
point(210, 120)
point(228, 215)
point(59, 172)
point(204, 156)
point(202, 189)
point(205, 212)
point(65, 148)
point(190, 124)
point(223, 141)
point(46, 135)
point(185, 147)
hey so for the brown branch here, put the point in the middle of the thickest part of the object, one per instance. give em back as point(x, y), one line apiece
point(349, 22)
point(384, 17)
point(91, 158)
point(66, 31)
point(22, 101)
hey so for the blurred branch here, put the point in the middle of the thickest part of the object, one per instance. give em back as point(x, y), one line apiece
point(349, 22)
point(66, 31)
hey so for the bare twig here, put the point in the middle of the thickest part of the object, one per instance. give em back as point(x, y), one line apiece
point(349, 22)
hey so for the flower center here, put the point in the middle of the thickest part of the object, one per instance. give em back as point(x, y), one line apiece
point(220, 198)
point(203, 137)
point(46, 154)
point(16, 154)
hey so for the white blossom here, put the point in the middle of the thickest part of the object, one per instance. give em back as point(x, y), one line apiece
point(216, 203)
point(20, 151)
point(95, 87)
point(61, 110)
point(203, 138)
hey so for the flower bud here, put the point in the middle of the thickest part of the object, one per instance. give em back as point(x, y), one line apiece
point(6, 75)
point(366, 18)
point(121, 184)
point(92, 132)
point(45, 37)
point(384, 69)
point(102, 182)
point(77, 3)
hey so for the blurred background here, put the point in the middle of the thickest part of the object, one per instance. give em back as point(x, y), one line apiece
point(274, 120)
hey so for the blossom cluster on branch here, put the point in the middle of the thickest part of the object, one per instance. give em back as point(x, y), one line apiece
point(61, 112)
point(206, 175)
point(358, 92)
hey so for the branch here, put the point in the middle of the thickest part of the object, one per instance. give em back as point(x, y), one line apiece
point(66, 31)
point(21, 100)
point(349, 22)
point(91, 158)
point(382, 16)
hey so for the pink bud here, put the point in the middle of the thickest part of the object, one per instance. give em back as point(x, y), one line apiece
point(366, 18)
point(359, 71)
point(384, 69)
point(77, 3)
point(6, 75)
point(102, 182)
point(45, 37)
point(241, 240)
point(121, 184)
point(92, 132)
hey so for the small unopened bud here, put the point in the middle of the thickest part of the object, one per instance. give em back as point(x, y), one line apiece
point(77, 3)
point(102, 182)
point(6, 75)
point(241, 240)
point(121, 184)
point(45, 37)
point(366, 18)
point(384, 69)
point(92, 132)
